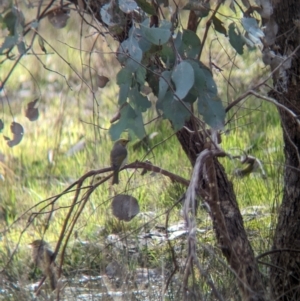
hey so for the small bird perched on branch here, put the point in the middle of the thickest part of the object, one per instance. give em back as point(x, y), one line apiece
point(42, 256)
point(118, 158)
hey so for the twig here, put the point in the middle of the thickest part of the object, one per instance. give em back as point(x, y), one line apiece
point(252, 90)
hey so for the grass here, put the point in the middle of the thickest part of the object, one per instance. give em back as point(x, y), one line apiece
point(29, 176)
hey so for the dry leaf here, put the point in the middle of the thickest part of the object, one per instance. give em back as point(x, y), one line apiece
point(31, 112)
point(58, 17)
point(42, 44)
point(18, 133)
point(102, 81)
point(125, 207)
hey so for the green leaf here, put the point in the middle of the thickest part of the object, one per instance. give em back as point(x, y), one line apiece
point(200, 80)
point(146, 7)
point(140, 75)
point(124, 76)
point(188, 44)
point(153, 79)
point(137, 125)
point(251, 26)
point(236, 40)
point(164, 83)
point(209, 103)
point(106, 16)
point(130, 54)
point(157, 36)
point(140, 102)
point(127, 6)
point(218, 24)
point(192, 96)
point(167, 55)
point(136, 34)
point(173, 110)
point(183, 78)
point(8, 43)
point(123, 93)
point(119, 127)
point(130, 119)
point(212, 110)
point(9, 20)
point(21, 47)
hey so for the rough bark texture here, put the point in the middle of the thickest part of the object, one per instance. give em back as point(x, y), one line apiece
point(233, 239)
point(285, 274)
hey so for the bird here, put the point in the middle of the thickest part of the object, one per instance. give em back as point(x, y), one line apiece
point(118, 158)
point(42, 257)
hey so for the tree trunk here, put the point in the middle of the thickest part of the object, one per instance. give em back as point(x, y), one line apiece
point(234, 244)
point(285, 273)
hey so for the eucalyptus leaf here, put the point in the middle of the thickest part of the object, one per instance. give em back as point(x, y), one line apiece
point(10, 20)
point(21, 48)
point(136, 33)
point(32, 113)
point(117, 129)
point(251, 26)
point(183, 78)
point(125, 207)
point(106, 16)
point(137, 125)
point(191, 96)
point(218, 25)
point(130, 54)
point(42, 44)
point(124, 76)
point(212, 110)
point(156, 35)
point(174, 110)
point(127, 6)
point(144, 44)
point(129, 120)
point(199, 75)
point(121, 125)
point(123, 93)
point(140, 102)
point(18, 133)
point(188, 44)
point(236, 40)
point(153, 79)
point(168, 55)
point(164, 83)
point(59, 17)
point(146, 7)
point(140, 75)
point(9, 42)
point(209, 103)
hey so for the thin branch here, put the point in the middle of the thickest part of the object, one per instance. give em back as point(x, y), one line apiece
point(208, 24)
point(252, 90)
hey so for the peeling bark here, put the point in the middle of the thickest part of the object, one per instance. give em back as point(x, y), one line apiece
point(285, 273)
point(225, 213)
